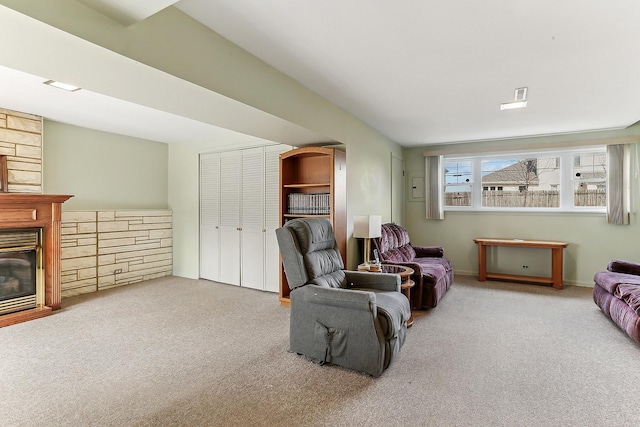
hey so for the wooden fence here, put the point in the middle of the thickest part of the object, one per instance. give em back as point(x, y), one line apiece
point(530, 199)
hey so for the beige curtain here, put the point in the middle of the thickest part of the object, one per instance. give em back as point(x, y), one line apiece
point(618, 184)
point(434, 176)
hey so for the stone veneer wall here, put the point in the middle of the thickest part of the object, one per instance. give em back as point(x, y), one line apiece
point(104, 249)
point(100, 249)
point(21, 142)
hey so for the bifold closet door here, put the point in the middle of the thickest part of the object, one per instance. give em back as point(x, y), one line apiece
point(210, 216)
point(239, 212)
point(252, 214)
point(230, 225)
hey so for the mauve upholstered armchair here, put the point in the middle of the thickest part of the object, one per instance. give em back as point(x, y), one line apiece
point(617, 292)
point(433, 272)
point(357, 320)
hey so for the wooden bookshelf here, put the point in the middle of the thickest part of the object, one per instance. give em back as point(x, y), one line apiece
point(312, 170)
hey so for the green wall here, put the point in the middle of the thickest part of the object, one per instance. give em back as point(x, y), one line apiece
point(368, 186)
point(183, 191)
point(103, 170)
point(592, 242)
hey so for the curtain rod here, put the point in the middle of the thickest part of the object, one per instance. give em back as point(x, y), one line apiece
point(476, 148)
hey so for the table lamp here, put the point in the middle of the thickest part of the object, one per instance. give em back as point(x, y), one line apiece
point(367, 227)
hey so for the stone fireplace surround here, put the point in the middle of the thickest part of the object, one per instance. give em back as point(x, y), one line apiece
point(115, 248)
point(37, 211)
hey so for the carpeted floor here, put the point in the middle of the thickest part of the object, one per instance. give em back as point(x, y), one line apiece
point(180, 352)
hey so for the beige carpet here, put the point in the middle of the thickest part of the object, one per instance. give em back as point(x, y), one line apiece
point(179, 352)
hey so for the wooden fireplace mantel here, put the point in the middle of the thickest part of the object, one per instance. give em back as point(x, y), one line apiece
point(19, 210)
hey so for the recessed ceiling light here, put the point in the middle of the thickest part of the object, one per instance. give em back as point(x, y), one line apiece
point(520, 100)
point(513, 104)
point(60, 85)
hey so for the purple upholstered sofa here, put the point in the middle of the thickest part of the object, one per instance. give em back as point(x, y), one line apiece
point(433, 273)
point(617, 293)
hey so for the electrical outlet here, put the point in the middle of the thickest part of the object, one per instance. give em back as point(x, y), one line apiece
point(525, 266)
point(119, 270)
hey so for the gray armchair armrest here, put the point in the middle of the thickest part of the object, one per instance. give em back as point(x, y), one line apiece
point(336, 297)
point(376, 281)
point(627, 267)
point(429, 251)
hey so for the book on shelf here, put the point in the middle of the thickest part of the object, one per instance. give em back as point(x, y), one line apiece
point(309, 203)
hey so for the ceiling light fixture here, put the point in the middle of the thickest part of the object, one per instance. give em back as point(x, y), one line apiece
point(64, 86)
point(520, 100)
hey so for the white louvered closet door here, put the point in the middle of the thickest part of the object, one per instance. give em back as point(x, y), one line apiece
point(272, 215)
point(210, 216)
point(230, 177)
point(253, 231)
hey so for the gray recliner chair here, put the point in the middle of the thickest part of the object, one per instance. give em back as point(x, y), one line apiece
point(349, 318)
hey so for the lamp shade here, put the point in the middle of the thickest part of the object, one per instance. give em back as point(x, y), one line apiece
point(367, 226)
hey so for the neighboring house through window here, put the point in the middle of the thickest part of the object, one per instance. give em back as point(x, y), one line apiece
point(566, 180)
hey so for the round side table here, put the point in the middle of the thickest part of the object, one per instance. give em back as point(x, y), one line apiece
point(405, 282)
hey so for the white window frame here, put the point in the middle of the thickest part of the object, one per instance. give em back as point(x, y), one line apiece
point(470, 183)
point(566, 185)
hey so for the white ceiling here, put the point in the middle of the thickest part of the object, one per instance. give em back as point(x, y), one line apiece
point(435, 71)
point(419, 71)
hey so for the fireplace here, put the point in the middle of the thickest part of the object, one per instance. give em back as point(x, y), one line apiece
point(19, 270)
point(30, 244)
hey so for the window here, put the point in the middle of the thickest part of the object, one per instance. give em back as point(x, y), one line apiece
point(564, 180)
point(457, 182)
point(590, 178)
point(526, 181)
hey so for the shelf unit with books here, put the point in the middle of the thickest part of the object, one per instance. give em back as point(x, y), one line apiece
point(313, 184)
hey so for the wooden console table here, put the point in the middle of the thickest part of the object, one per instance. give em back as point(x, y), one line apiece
point(556, 260)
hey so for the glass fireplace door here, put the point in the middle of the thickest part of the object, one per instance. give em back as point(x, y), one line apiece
point(18, 270)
